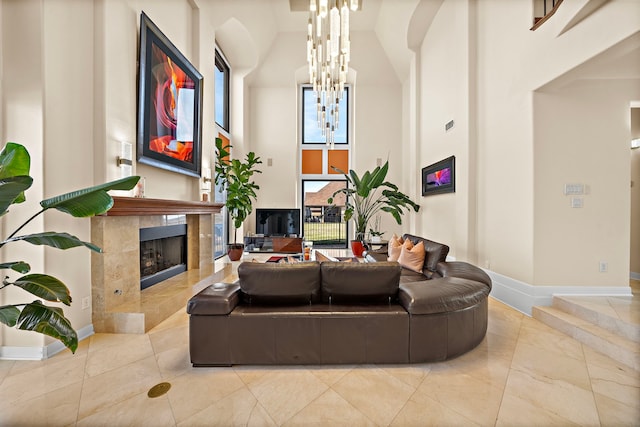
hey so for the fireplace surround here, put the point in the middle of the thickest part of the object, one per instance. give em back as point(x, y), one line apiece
point(119, 305)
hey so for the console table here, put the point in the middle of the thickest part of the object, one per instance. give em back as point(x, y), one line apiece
point(273, 244)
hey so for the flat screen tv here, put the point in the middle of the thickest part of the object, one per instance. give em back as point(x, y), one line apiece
point(278, 222)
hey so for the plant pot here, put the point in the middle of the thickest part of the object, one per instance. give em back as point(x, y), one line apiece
point(376, 239)
point(235, 250)
point(357, 248)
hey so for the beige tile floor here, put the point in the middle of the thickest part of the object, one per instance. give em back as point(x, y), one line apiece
point(523, 373)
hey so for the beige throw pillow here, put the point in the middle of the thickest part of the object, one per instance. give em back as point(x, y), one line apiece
point(394, 247)
point(412, 257)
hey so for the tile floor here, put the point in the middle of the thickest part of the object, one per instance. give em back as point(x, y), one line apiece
point(523, 373)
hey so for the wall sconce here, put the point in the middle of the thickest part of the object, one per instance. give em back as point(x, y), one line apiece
point(206, 179)
point(635, 143)
point(125, 159)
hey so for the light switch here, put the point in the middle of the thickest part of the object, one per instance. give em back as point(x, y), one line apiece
point(577, 202)
point(574, 189)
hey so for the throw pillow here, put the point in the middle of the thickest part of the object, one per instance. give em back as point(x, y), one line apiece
point(394, 248)
point(412, 257)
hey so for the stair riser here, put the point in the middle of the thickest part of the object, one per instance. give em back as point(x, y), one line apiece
point(630, 332)
point(622, 355)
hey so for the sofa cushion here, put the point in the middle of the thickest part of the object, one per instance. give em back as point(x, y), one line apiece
point(357, 282)
point(435, 252)
point(412, 256)
point(271, 283)
point(441, 295)
point(394, 247)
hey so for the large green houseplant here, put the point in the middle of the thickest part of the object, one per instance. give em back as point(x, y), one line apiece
point(14, 181)
point(235, 177)
point(367, 196)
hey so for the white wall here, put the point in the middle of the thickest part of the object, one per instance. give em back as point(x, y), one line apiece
point(444, 96)
point(493, 106)
point(635, 196)
point(69, 94)
point(582, 136)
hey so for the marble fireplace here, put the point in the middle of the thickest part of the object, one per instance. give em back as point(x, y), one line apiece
point(119, 305)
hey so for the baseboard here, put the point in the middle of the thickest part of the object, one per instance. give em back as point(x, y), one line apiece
point(41, 353)
point(634, 276)
point(523, 296)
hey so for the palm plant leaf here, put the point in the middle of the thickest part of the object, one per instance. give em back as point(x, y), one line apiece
point(46, 287)
point(9, 315)
point(89, 201)
point(55, 240)
point(19, 266)
point(14, 161)
point(49, 321)
point(12, 191)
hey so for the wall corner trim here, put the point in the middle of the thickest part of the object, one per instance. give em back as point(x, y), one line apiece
point(41, 353)
point(523, 296)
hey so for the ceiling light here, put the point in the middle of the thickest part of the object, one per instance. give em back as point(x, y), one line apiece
point(328, 54)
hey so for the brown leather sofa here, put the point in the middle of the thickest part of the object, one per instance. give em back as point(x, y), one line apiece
point(339, 313)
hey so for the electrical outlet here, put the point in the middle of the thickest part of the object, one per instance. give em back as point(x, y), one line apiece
point(604, 266)
point(86, 303)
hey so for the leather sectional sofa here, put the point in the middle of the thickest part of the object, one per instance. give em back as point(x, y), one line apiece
point(341, 312)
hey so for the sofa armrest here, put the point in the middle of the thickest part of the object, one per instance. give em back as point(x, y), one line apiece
point(463, 270)
point(217, 299)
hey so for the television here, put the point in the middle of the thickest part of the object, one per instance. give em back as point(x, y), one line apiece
point(278, 222)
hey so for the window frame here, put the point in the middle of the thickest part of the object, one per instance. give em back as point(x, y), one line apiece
point(222, 66)
point(306, 88)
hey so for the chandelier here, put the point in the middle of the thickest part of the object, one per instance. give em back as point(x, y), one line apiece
point(328, 56)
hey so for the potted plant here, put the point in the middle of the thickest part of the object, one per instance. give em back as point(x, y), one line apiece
point(367, 196)
point(14, 181)
point(235, 177)
point(375, 235)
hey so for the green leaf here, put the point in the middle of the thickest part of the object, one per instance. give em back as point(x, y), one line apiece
point(46, 287)
point(14, 160)
point(9, 315)
point(19, 266)
point(50, 321)
point(89, 201)
point(12, 191)
point(56, 240)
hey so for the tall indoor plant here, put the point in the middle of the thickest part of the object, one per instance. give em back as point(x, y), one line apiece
point(235, 177)
point(368, 195)
point(14, 181)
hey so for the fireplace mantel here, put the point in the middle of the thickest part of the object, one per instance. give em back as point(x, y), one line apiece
point(139, 206)
point(118, 303)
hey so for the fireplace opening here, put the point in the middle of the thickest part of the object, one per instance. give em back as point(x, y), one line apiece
point(163, 253)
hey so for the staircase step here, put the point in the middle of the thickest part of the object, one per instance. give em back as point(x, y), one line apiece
point(607, 316)
point(600, 339)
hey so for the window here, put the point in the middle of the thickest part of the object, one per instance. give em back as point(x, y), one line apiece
point(311, 131)
point(324, 223)
point(221, 77)
point(222, 119)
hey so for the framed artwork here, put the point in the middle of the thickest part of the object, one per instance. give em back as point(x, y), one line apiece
point(439, 177)
point(169, 105)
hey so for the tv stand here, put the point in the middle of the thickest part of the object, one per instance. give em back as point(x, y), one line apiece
point(279, 244)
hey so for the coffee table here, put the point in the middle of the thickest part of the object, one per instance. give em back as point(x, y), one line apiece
point(344, 255)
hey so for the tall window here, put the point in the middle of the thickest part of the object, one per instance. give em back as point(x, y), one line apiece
point(221, 78)
point(311, 130)
point(320, 166)
point(221, 220)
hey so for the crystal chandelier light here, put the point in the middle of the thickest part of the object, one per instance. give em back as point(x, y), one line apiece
point(328, 48)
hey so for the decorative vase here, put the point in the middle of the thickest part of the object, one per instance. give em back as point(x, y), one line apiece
point(235, 250)
point(357, 248)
